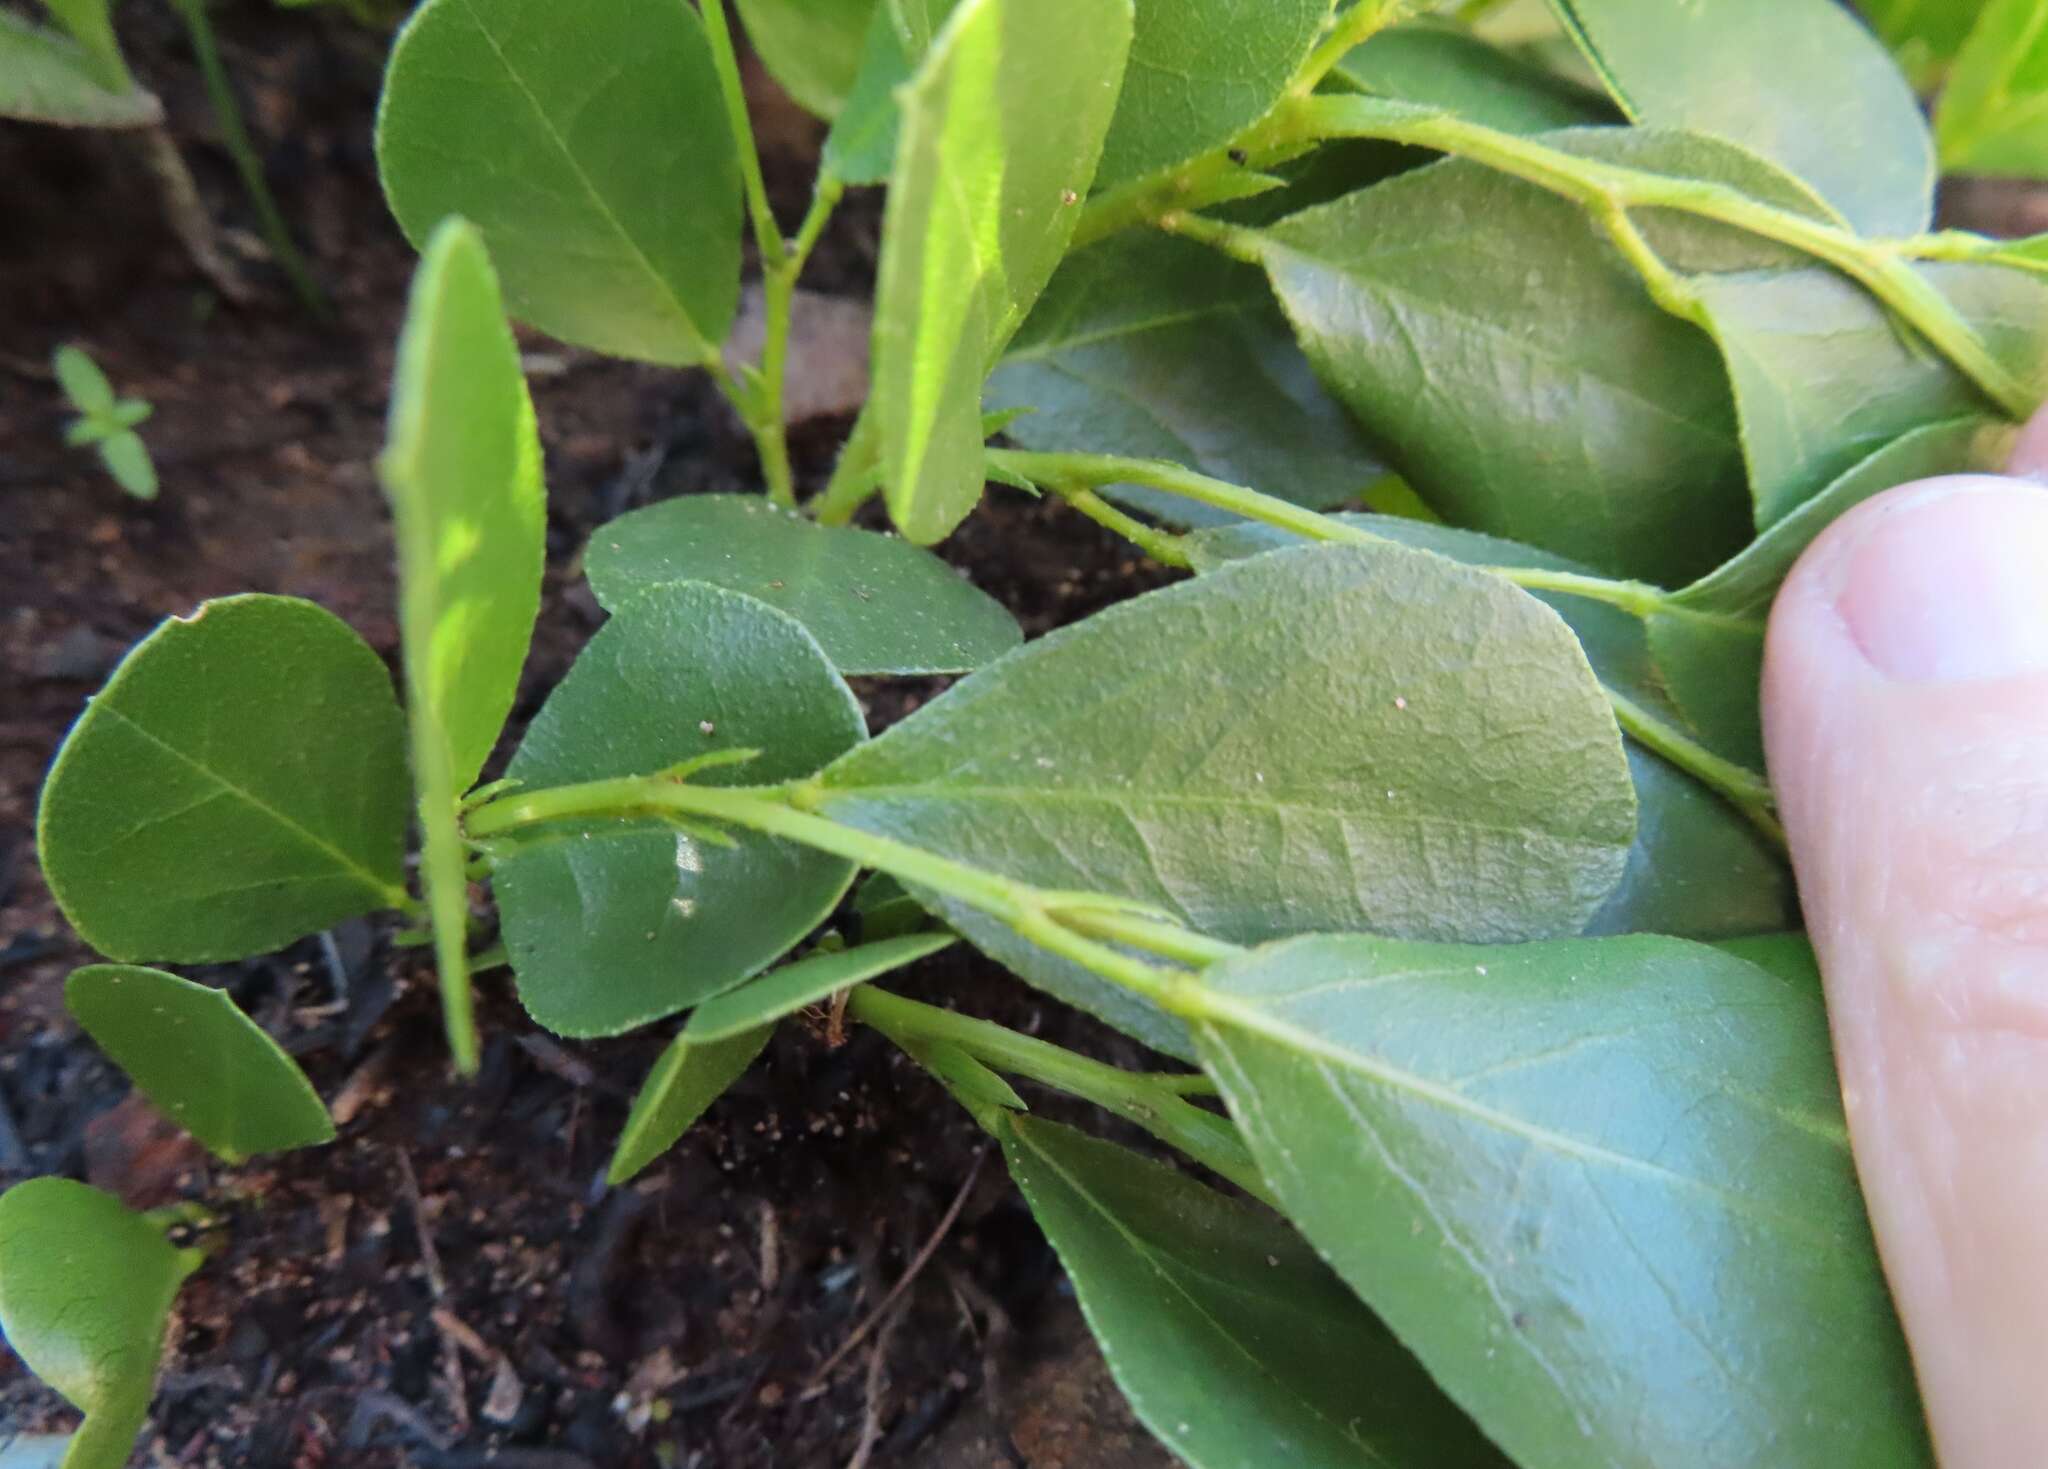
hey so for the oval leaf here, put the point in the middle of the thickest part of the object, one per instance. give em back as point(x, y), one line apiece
point(238, 783)
point(613, 925)
point(462, 470)
point(1200, 72)
point(1159, 348)
point(689, 1077)
point(1446, 66)
point(206, 1065)
point(810, 979)
point(1234, 1343)
point(812, 47)
point(1800, 81)
point(603, 175)
point(875, 604)
point(1601, 1187)
point(1249, 752)
point(85, 1288)
point(1000, 133)
point(46, 76)
point(1991, 115)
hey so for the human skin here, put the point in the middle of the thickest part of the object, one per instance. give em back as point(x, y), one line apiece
point(1906, 719)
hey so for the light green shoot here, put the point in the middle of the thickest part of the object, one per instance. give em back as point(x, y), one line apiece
point(106, 422)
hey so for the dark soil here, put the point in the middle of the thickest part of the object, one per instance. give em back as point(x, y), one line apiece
point(450, 1283)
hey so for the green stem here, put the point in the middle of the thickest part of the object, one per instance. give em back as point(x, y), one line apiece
point(1153, 1102)
point(1879, 266)
point(235, 136)
point(1365, 19)
point(1162, 546)
point(1748, 792)
point(767, 234)
point(778, 297)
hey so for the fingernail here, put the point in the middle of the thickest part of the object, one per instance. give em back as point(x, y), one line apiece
point(1951, 584)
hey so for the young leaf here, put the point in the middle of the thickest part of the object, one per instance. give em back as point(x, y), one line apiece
point(1824, 376)
point(1159, 348)
point(612, 925)
point(875, 604)
point(1447, 66)
point(793, 987)
point(886, 911)
point(1247, 752)
point(85, 1289)
point(1200, 72)
point(603, 175)
point(1800, 81)
point(82, 381)
point(1697, 868)
point(1923, 37)
point(462, 470)
point(127, 460)
point(1601, 1187)
point(978, 1088)
point(1234, 1343)
point(46, 76)
point(91, 24)
point(689, 1077)
point(861, 146)
point(812, 47)
point(206, 1065)
point(1993, 116)
point(1000, 134)
point(238, 783)
point(1508, 304)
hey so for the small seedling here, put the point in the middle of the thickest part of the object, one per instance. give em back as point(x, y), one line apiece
point(106, 423)
point(1410, 844)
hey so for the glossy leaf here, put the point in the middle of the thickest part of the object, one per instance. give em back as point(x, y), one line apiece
point(611, 925)
point(1200, 72)
point(1824, 377)
point(689, 1077)
point(1001, 131)
point(206, 1065)
point(1234, 1344)
point(875, 604)
point(1800, 81)
point(812, 47)
point(809, 980)
point(1244, 751)
point(1538, 394)
point(1447, 66)
point(238, 783)
point(595, 160)
point(1159, 348)
point(46, 76)
point(1993, 116)
point(86, 1286)
point(1601, 1187)
point(1697, 868)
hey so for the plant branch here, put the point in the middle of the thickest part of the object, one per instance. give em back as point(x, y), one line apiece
point(767, 234)
point(1153, 1102)
point(1162, 546)
point(234, 135)
point(779, 277)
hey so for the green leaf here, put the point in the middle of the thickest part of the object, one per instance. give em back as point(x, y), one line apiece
point(1200, 72)
point(1800, 81)
point(1159, 348)
point(1824, 376)
point(886, 910)
point(1993, 116)
point(1507, 304)
point(462, 470)
point(128, 412)
point(875, 604)
point(82, 381)
point(238, 783)
point(972, 1083)
point(127, 460)
point(815, 977)
point(206, 1065)
point(1234, 1343)
point(1001, 130)
point(812, 47)
point(1697, 868)
point(861, 146)
point(615, 924)
point(688, 1078)
point(602, 174)
point(85, 1289)
point(1446, 66)
point(1923, 35)
point(1248, 753)
point(1601, 1187)
point(91, 24)
point(1790, 956)
point(47, 77)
